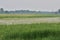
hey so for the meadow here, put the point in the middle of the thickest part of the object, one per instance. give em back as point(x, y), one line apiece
point(33, 31)
point(42, 31)
point(28, 15)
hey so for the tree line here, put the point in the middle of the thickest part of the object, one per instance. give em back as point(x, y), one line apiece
point(25, 11)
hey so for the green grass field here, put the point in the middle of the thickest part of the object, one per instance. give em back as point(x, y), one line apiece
point(42, 31)
point(28, 15)
point(36, 31)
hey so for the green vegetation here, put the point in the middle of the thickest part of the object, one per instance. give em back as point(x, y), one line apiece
point(42, 31)
point(28, 15)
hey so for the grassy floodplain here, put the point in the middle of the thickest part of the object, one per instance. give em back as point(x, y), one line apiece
point(42, 31)
point(28, 15)
point(35, 31)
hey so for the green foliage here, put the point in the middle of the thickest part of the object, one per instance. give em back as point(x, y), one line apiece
point(42, 31)
point(28, 15)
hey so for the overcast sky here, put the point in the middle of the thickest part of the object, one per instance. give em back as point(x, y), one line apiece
point(51, 5)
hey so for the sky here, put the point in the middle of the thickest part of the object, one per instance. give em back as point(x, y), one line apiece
point(43, 5)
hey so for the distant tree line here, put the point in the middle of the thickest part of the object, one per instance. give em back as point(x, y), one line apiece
point(25, 11)
point(18, 11)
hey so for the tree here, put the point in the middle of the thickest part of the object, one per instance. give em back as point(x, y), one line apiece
point(1, 10)
point(6, 12)
point(59, 11)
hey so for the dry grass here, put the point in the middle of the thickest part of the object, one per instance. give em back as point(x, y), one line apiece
point(29, 20)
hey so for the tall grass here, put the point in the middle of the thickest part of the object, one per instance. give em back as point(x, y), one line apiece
point(42, 31)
